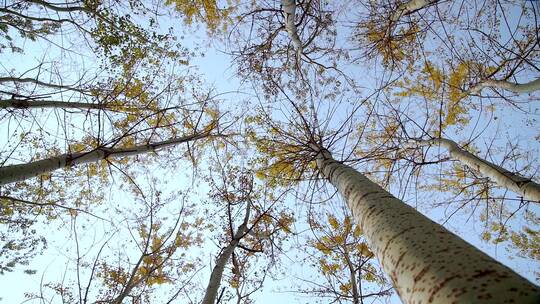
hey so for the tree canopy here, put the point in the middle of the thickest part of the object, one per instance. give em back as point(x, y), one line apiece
point(127, 176)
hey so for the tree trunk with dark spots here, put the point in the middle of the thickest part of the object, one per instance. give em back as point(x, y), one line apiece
point(19, 172)
point(512, 181)
point(518, 88)
point(426, 262)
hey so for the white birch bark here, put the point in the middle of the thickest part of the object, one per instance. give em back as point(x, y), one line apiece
point(289, 9)
point(426, 262)
point(14, 173)
point(502, 177)
point(517, 88)
point(217, 273)
point(409, 7)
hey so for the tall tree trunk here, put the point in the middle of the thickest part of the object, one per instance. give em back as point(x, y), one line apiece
point(502, 177)
point(289, 9)
point(14, 173)
point(426, 262)
point(410, 7)
point(406, 9)
point(41, 104)
point(217, 273)
point(517, 88)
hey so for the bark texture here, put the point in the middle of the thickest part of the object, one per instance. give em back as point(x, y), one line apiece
point(41, 104)
point(409, 7)
point(217, 273)
point(502, 177)
point(426, 262)
point(14, 173)
point(517, 88)
point(289, 9)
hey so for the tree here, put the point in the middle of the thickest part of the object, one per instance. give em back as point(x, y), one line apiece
point(249, 253)
point(291, 37)
point(110, 82)
point(411, 249)
point(289, 9)
point(528, 87)
point(347, 271)
point(13, 173)
point(105, 29)
point(231, 190)
point(151, 254)
point(512, 181)
point(210, 295)
point(367, 80)
point(425, 261)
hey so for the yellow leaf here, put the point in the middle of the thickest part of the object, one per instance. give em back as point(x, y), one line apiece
point(357, 232)
point(333, 221)
point(364, 250)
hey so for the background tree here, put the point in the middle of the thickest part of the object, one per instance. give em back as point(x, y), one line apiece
point(346, 269)
point(93, 78)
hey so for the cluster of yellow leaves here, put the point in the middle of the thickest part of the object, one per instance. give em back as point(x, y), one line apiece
point(341, 235)
point(526, 241)
point(87, 143)
point(135, 99)
point(437, 86)
point(113, 276)
point(5, 208)
point(267, 223)
point(428, 84)
point(191, 124)
point(152, 268)
point(345, 288)
point(456, 81)
point(341, 248)
point(461, 174)
point(116, 277)
point(266, 219)
point(285, 221)
point(234, 282)
point(206, 11)
point(394, 48)
point(281, 163)
point(100, 169)
point(451, 181)
point(329, 268)
point(130, 96)
point(185, 240)
point(376, 134)
point(276, 167)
